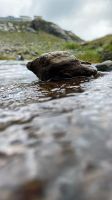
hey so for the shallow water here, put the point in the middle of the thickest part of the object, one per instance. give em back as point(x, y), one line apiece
point(55, 138)
point(19, 87)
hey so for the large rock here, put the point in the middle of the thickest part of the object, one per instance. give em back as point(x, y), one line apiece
point(59, 65)
point(104, 66)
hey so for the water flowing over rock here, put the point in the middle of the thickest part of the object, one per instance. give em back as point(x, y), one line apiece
point(60, 65)
point(55, 137)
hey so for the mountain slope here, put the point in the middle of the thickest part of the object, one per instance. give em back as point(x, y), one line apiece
point(37, 25)
point(49, 27)
point(32, 39)
point(101, 45)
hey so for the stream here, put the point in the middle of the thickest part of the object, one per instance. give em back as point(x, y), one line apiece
point(55, 137)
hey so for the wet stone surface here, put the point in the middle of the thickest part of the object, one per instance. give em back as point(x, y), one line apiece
point(55, 138)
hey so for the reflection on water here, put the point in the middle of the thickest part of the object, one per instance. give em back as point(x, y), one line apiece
point(18, 86)
point(60, 89)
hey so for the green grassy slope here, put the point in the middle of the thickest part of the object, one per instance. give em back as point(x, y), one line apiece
point(30, 45)
point(94, 51)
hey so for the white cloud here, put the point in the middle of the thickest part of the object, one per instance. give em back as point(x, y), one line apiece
point(14, 7)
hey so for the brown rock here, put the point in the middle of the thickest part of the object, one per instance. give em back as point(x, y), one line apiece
point(59, 65)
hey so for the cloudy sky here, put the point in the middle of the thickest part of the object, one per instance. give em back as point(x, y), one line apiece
point(87, 18)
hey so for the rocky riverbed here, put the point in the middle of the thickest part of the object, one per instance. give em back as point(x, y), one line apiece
point(55, 138)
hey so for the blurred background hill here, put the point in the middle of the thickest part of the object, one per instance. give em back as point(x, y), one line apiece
point(31, 37)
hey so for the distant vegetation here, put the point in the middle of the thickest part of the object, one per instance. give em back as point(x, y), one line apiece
point(30, 45)
point(22, 38)
point(94, 51)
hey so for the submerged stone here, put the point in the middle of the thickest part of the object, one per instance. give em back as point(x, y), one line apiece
point(60, 65)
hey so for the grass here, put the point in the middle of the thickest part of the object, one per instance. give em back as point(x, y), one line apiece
point(93, 51)
point(31, 45)
point(28, 44)
point(71, 45)
point(90, 56)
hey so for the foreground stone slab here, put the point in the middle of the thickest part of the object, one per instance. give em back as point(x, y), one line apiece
point(54, 148)
point(60, 65)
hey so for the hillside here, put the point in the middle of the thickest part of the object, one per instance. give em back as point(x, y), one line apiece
point(103, 46)
point(93, 51)
point(29, 44)
point(31, 38)
point(51, 28)
point(36, 25)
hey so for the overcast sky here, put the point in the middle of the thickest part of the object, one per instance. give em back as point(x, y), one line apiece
point(87, 18)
